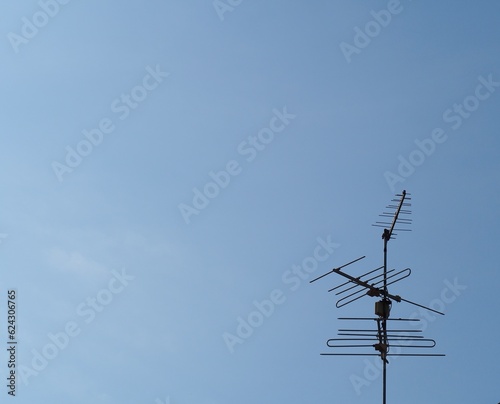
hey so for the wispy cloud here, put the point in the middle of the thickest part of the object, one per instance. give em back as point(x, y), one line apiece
point(74, 262)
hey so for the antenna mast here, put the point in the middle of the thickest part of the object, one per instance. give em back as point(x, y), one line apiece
point(375, 283)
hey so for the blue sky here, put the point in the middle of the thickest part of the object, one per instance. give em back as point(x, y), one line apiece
point(167, 166)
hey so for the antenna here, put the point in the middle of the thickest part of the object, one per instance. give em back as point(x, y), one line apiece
point(374, 283)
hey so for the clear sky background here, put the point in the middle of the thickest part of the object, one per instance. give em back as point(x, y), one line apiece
point(341, 96)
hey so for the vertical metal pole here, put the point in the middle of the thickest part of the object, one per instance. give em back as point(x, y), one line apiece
point(386, 237)
point(384, 393)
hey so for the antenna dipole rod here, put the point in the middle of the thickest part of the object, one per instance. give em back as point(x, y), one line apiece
point(420, 305)
point(337, 269)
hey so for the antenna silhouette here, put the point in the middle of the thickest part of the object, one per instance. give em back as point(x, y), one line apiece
point(374, 283)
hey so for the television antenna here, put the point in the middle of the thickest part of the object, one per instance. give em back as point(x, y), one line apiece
point(374, 283)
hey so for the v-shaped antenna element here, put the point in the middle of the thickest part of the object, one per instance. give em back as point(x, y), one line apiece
point(375, 283)
point(364, 287)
